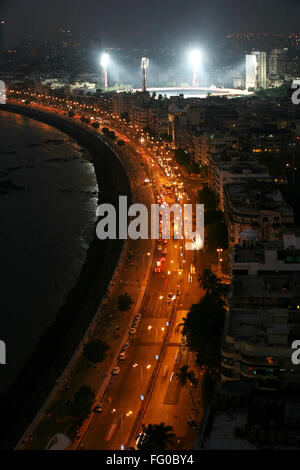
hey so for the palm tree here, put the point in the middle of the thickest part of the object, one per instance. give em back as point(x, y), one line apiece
point(212, 284)
point(186, 377)
point(157, 437)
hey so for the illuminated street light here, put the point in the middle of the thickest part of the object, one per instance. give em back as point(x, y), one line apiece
point(104, 64)
point(195, 58)
point(155, 329)
point(219, 251)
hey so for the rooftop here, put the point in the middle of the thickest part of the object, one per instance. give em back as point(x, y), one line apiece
point(255, 195)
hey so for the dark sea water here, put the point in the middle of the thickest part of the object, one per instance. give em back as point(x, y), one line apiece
point(48, 200)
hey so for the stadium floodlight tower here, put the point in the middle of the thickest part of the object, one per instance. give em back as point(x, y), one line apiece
point(104, 63)
point(144, 66)
point(195, 58)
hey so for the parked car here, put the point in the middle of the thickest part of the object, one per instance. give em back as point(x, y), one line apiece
point(132, 331)
point(116, 371)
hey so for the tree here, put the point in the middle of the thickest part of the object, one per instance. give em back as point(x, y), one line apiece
point(212, 217)
point(217, 236)
point(186, 378)
point(203, 328)
point(212, 284)
point(95, 350)
point(124, 302)
point(158, 437)
point(182, 157)
point(208, 198)
point(82, 403)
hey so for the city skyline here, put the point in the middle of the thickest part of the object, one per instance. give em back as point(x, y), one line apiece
point(157, 23)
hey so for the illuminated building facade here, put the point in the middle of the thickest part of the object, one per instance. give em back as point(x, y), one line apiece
point(256, 70)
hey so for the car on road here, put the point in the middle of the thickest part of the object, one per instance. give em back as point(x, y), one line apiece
point(193, 424)
point(159, 248)
point(157, 268)
point(116, 371)
point(132, 331)
point(122, 356)
point(140, 439)
point(98, 408)
point(126, 346)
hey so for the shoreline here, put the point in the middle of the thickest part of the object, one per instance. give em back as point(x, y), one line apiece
point(57, 344)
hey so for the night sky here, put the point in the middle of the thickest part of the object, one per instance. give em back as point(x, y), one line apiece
point(125, 20)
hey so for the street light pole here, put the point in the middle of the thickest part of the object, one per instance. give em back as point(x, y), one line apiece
point(144, 264)
point(104, 63)
point(220, 250)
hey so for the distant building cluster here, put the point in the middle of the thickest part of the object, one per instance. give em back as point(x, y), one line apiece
point(270, 70)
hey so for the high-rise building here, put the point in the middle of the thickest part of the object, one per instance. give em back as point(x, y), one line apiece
point(250, 71)
point(263, 319)
point(277, 62)
point(261, 66)
point(256, 70)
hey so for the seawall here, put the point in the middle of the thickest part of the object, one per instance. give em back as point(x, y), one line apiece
point(52, 352)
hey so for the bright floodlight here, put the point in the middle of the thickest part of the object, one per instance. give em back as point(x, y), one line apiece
point(104, 59)
point(195, 57)
point(104, 63)
point(144, 62)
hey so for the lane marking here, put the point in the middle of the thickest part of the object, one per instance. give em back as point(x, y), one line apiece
point(110, 432)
